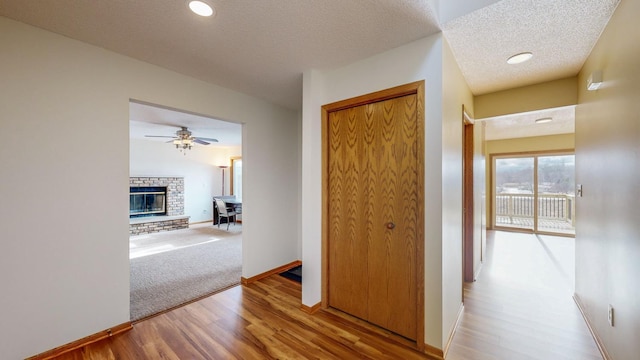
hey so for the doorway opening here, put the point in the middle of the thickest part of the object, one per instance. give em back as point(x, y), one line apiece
point(176, 253)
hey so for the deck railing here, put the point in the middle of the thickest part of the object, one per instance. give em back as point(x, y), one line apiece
point(550, 207)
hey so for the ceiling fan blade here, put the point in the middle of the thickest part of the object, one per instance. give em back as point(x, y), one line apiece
point(206, 139)
point(160, 136)
point(201, 142)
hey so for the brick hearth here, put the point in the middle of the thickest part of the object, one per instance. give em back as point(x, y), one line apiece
point(175, 218)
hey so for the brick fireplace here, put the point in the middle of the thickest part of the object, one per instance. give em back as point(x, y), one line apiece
point(173, 217)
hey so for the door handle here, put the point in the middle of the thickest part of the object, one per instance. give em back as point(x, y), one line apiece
point(390, 225)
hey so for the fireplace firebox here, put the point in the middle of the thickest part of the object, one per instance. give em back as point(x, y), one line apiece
point(147, 201)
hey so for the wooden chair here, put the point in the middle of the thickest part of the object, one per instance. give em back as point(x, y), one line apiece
point(224, 212)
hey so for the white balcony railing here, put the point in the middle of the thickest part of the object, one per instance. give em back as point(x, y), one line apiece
point(558, 209)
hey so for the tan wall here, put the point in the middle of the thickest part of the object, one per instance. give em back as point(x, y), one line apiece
point(608, 167)
point(521, 145)
point(546, 95)
point(455, 94)
point(530, 144)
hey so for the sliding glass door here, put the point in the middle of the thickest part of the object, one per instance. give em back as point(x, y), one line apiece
point(534, 193)
point(556, 194)
point(514, 179)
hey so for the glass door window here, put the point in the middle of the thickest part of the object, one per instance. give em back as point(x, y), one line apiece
point(535, 193)
point(556, 194)
point(514, 205)
point(236, 177)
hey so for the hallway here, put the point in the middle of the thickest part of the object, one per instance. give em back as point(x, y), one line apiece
point(521, 305)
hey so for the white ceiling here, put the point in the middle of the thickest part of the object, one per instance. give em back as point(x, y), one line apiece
point(153, 120)
point(524, 124)
point(262, 47)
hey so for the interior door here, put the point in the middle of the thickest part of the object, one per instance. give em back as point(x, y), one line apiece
point(373, 212)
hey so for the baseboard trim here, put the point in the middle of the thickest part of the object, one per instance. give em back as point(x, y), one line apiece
point(311, 309)
point(453, 331)
point(291, 265)
point(433, 352)
point(53, 353)
point(475, 276)
point(201, 222)
point(594, 334)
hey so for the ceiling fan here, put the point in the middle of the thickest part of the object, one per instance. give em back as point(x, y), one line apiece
point(183, 139)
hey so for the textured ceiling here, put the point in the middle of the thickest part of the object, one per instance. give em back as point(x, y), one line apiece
point(262, 47)
point(524, 125)
point(259, 47)
point(559, 33)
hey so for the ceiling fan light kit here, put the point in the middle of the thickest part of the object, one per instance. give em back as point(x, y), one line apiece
point(184, 141)
point(183, 144)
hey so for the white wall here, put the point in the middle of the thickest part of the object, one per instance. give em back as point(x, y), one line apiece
point(607, 140)
point(64, 117)
point(198, 167)
point(420, 60)
point(270, 172)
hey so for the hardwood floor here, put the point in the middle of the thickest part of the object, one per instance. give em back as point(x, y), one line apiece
point(520, 308)
point(261, 320)
point(521, 305)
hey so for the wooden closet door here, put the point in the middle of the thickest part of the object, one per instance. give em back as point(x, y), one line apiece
point(372, 212)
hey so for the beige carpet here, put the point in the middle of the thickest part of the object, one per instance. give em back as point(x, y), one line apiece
point(149, 244)
point(172, 268)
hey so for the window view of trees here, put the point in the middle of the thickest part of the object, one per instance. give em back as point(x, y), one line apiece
point(519, 203)
point(555, 175)
point(514, 176)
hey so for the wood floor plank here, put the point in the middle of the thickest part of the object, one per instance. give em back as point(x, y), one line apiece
point(261, 320)
point(518, 309)
point(521, 306)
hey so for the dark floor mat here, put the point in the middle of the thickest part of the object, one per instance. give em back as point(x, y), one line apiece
point(294, 274)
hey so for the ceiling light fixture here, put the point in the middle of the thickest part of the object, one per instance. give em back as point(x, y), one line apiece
point(183, 144)
point(201, 8)
point(543, 120)
point(519, 58)
point(594, 81)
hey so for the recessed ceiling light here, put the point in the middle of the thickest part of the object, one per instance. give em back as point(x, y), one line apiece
point(201, 8)
point(519, 58)
point(543, 120)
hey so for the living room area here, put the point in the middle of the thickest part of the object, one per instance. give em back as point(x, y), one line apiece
point(179, 163)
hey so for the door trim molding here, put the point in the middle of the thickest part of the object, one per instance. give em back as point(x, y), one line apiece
point(416, 88)
point(491, 223)
point(468, 185)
